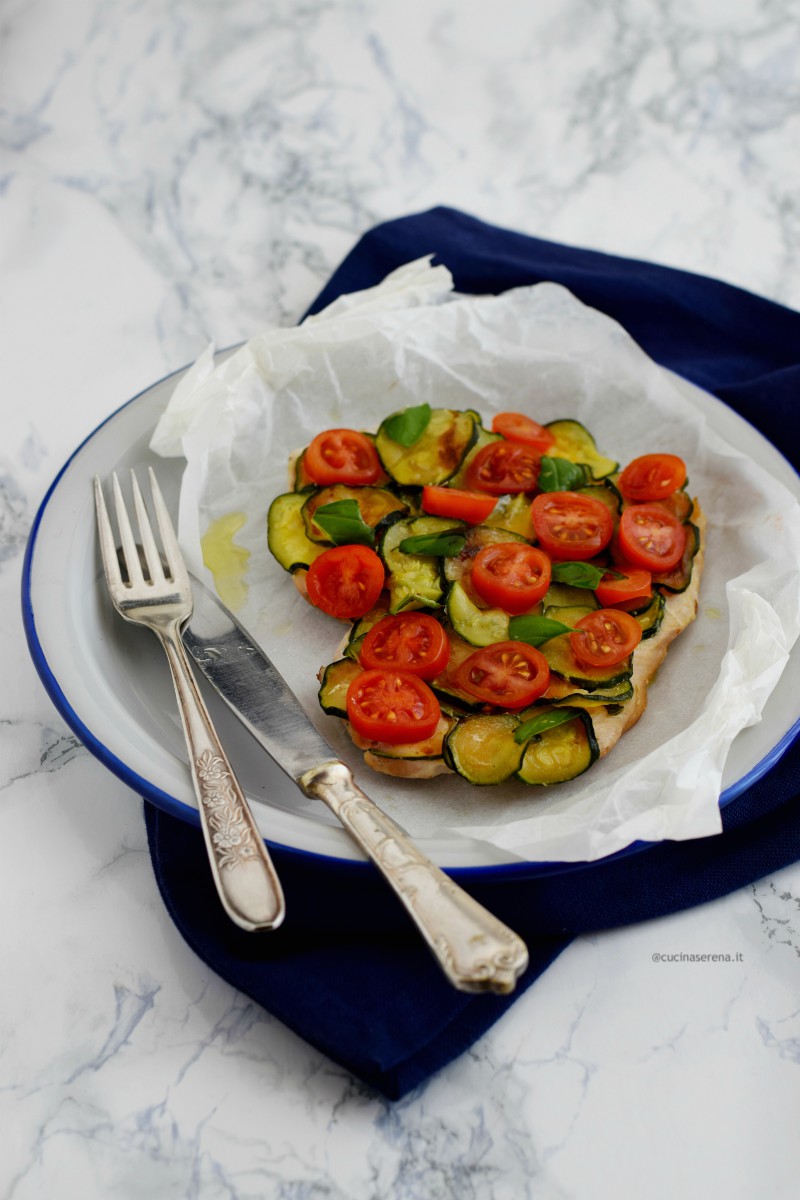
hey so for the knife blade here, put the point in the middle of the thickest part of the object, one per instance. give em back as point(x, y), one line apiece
point(476, 951)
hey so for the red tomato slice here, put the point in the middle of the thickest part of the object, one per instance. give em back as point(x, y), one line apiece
point(571, 526)
point(649, 536)
point(511, 575)
point(342, 456)
point(605, 637)
point(520, 428)
point(345, 581)
point(411, 641)
point(635, 584)
point(506, 674)
point(472, 507)
point(392, 706)
point(503, 467)
point(652, 477)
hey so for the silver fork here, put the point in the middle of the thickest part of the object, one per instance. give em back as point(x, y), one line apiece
point(162, 601)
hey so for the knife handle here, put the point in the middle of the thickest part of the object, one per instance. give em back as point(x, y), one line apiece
point(476, 951)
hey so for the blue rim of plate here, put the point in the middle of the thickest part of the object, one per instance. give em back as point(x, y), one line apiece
point(499, 872)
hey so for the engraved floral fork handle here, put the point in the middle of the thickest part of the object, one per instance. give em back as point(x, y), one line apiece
point(155, 592)
point(243, 872)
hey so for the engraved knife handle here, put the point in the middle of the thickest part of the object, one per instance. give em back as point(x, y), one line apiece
point(476, 951)
point(242, 869)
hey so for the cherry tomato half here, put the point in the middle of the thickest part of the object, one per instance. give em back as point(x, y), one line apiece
point(410, 641)
point(652, 477)
point(342, 456)
point(605, 637)
point(472, 507)
point(503, 467)
point(649, 536)
point(392, 706)
point(345, 581)
point(506, 674)
point(511, 575)
point(571, 526)
point(520, 428)
point(635, 584)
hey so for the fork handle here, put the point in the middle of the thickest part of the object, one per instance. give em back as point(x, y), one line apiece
point(476, 951)
point(242, 869)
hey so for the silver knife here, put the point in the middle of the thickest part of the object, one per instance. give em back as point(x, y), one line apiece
point(476, 951)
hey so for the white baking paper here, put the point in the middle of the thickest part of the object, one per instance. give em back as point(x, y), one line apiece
point(536, 350)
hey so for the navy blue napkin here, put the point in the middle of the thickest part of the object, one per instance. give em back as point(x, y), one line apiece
point(366, 993)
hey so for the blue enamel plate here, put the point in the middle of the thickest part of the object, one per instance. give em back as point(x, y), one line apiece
point(110, 683)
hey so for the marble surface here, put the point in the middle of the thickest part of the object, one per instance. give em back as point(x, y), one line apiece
point(171, 173)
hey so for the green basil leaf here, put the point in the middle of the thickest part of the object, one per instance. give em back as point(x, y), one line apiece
point(408, 426)
point(560, 475)
point(579, 574)
point(535, 630)
point(442, 545)
point(540, 724)
point(343, 524)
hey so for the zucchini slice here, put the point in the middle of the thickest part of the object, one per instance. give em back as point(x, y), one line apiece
point(482, 438)
point(374, 504)
point(431, 748)
point(651, 616)
point(478, 626)
point(564, 595)
point(679, 578)
point(607, 494)
point(482, 748)
point(563, 662)
point(336, 680)
point(560, 691)
point(574, 442)
point(361, 628)
point(286, 533)
point(561, 753)
point(414, 580)
point(436, 455)
point(476, 538)
point(513, 512)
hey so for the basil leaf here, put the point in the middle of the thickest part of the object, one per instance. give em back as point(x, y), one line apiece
point(343, 524)
point(408, 426)
point(579, 574)
point(535, 630)
point(543, 722)
point(442, 545)
point(560, 475)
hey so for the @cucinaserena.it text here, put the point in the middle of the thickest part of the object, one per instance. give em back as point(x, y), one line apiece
point(680, 956)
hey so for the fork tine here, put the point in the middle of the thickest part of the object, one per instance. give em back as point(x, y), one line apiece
point(131, 554)
point(169, 541)
point(152, 557)
point(108, 546)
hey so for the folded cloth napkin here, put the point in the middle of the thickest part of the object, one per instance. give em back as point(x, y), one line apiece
point(363, 989)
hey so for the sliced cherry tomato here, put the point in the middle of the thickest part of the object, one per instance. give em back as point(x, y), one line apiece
point(345, 581)
point(410, 641)
point(520, 428)
point(652, 477)
point(571, 526)
point(342, 456)
point(472, 507)
point(392, 706)
point(503, 467)
point(506, 674)
point(649, 536)
point(635, 584)
point(605, 637)
point(511, 575)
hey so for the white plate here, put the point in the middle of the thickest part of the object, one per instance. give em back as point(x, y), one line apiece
point(110, 681)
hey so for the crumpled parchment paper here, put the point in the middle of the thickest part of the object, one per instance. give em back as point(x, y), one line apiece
point(536, 350)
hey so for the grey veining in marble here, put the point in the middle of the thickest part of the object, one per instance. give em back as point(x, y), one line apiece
point(175, 173)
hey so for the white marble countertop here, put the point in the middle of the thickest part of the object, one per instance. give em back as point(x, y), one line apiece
point(174, 173)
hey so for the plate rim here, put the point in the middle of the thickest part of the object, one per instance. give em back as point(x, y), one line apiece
point(175, 807)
